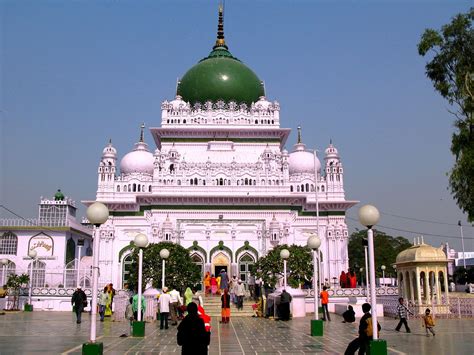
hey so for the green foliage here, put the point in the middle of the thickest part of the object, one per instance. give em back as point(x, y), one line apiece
point(451, 69)
point(180, 271)
point(386, 250)
point(14, 284)
point(299, 265)
point(461, 275)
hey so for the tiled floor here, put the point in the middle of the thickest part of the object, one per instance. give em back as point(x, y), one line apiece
point(57, 332)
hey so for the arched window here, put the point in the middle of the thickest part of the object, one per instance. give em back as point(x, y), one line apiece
point(197, 259)
point(129, 188)
point(302, 188)
point(39, 273)
point(171, 168)
point(191, 182)
point(134, 187)
point(246, 181)
point(322, 188)
point(312, 188)
point(70, 250)
point(221, 181)
point(149, 187)
point(10, 270)
point(8, 243)
point(118, 188)
point(297, 188)
point(139, 188)
point(245, 265)
point(291, 188)
point(195, 181)
point(127, 267)
point(307, 187)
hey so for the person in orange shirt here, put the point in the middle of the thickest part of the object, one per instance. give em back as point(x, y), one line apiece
point(324, 295)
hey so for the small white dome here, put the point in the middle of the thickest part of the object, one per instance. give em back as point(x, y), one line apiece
point(302, 161)
point(331, 152)
point(109, 151)
point(140, 160)
point(178, 103)
point(262, 104)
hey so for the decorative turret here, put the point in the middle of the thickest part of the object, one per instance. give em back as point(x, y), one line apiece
point(59, 196)
point(167, 229)
point(107, 167)
point(274, 230)
point(334, 171)
point(301, 161)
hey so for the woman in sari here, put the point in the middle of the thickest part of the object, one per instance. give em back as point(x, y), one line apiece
point(213, 285)
point(225, 307)
point(188, 296)
point(207, 283)
point(218, 279)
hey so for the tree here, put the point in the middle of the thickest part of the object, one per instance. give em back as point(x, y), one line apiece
point(451, 69)
point(181, 271)
point(14, 285)
point(299, 265)
point(386, 249)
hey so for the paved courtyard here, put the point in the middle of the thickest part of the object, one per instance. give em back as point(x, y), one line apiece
point(57, 333)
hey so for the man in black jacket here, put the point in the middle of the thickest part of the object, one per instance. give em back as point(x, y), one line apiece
point(192, 334)
point(79, 301)
point(285, 299)
point(365, 333)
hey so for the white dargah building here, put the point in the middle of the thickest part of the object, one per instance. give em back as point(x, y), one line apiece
point(218, 179)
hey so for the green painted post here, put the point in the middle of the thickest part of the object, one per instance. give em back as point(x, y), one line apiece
point(28, 308)
point(317, 327)
point(138, 329)
point(378, 347)
point(92, 349)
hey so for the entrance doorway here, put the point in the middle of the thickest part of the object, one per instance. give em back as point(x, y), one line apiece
point(218, 269)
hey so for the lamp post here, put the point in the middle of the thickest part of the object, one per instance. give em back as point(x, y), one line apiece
point(462, 244)
point(32, 254)
point(316, 325)
point(284, 254)
point(367, 283)
point(369, 216)
point(4, 263)
point(164, 254)
point(141, 241)
point(97, 214)
point(383, 275)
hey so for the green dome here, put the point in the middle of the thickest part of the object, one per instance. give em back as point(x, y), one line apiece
point(220, 76)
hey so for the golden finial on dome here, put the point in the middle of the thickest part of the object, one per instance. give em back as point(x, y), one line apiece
point(220, 41)
point(299, 134)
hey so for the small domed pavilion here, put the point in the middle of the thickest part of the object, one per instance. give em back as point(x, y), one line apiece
point(421, 272)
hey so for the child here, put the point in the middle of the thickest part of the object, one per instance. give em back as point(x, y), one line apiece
point(129, 314)
point(428, 322)
point(402, 311)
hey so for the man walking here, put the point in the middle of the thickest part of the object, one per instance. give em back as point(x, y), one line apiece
point(79, 301)
point(324, 303)
point(164, 303)
point(175, 302)
point(285, 300)
point(402, 314)
point(251, 283)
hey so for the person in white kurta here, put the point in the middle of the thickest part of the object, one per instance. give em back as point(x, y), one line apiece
point(164, 303)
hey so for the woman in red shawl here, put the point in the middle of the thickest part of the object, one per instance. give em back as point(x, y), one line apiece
point(352, 279)
point(343, 279)
point(213, 284)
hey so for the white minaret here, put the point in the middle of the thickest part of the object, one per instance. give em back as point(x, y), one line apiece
point(107, 167)
point(334, 173)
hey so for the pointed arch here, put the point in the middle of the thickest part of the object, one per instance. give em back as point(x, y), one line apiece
point(200, 250)
point(221, 247)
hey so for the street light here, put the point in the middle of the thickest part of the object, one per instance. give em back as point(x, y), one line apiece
point(369, 216)
point(164, 254)
point(284, 254)
point(141, 241)
point(97, 214)
point(4, 263)
point(32, 254)
point(383, 275)
point(316, 326)
point(365, 244)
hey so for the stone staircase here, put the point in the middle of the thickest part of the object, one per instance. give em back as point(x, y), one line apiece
point(212, 306)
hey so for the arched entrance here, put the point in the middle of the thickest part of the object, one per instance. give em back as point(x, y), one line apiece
point(220, 262)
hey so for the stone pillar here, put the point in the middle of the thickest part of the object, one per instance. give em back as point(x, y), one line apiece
point(426, 287)
point(438, 287)
point(412, 291)
point(417, 288)
point(446, 290)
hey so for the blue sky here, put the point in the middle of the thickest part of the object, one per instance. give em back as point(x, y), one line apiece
point(76, 73)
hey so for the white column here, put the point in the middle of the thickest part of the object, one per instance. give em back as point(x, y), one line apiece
point(315, 284)
point(426, 287)
point(438, 287)
point(406, 287)
point(367, 281)
point(373, 299)
point(412, 287)
point(446, 290)
point(163, 274)
point(95, 279)
point(284, 274)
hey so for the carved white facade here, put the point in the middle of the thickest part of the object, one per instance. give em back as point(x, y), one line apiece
point(221, 184)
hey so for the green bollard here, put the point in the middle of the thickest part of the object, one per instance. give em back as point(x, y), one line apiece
point(138, 329)
point(317, 327)
point(92, 349)
point(378, 347)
